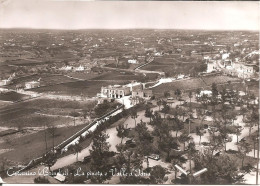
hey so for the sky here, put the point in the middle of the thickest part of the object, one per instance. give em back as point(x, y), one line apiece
point(80, 14)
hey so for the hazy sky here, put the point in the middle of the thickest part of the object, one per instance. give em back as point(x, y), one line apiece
point(232, 15)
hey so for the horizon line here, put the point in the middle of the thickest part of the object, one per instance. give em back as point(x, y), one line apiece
point(78, 29)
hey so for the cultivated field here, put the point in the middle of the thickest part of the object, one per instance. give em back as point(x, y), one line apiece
point(194, 83)
point(82, 75)
point(125, 76)
point(79, 88)
point(188, 84)
point(25, 62)
point(21, 146)
point(40, 112)
point(9, 113)
point(12, 96)
point(37, 120)
point(45, 80)
point(173, 68)
point(218, 79)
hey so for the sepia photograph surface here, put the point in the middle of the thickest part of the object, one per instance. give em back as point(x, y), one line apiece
point(129, 92)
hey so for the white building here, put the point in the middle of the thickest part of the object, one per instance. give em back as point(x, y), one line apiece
point(225, 56)
point(158, 54)
point(32, 84)
point(66, 68)
point(207, 57)
point(205, 92)
point(244, 70)
point(80, 68)
point(180, 76)
point(132, 61)
point(7, 81)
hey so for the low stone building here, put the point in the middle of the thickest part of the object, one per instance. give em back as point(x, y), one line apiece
point(32, 84)
point(115, 91)
point(136, 89)
point(243, 70)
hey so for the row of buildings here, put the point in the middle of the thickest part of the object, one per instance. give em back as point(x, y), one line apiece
point(135, 89)
point(239, 69)
point(245, 68)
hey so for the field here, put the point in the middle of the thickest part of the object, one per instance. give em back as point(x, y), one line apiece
point(12, 96)
point(37, 120)
point(6, 71)
point(117, 75)
point(166, 60)
point(60, 104)
point(82, 75)
point(8, 114)
point(25, 62)
point(4, 103)
point(218, 79)
point(22, 145)
point(40, 112)
point(173, 68)
point(188, 84)
point(194, 83)
point(125, 76)
point(79, 88)
point(45, 80)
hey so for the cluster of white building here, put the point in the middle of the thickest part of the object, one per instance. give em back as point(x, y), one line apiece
point(239, 69)
point(235, 68)
point(132, 61)
point(32, 84)
point(135, 89)
point(7, 81)
point(70, 68)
